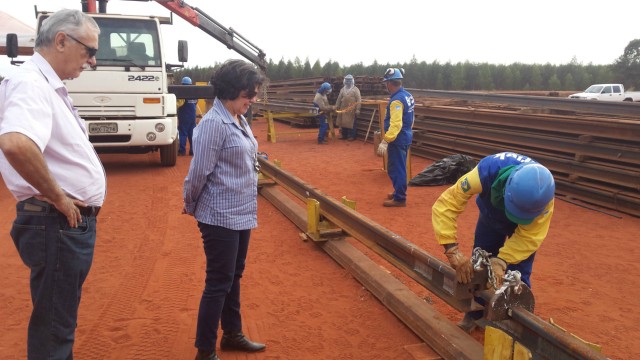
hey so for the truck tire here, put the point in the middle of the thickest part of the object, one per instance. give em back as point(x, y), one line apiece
point(169, 153)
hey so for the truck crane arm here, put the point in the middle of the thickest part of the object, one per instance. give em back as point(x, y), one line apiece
point(229, 37)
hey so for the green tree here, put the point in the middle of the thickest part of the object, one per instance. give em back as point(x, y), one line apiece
point(554, 83)
point(627, 66)
point(569, 84)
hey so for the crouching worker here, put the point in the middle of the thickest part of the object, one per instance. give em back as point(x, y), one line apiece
point(515, 199)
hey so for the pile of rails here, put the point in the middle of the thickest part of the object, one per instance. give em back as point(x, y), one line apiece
point(594, 158)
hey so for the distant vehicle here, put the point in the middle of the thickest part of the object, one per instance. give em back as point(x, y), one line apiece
point(607, 92)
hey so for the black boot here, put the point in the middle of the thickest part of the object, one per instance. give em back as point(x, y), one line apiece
point(207, 355)
point(237, 341)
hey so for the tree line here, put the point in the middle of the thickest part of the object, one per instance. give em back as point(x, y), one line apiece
point(464, 76)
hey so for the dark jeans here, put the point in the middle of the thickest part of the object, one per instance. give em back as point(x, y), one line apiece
point(397, 170)
point(59, 258)
point(185, 130)
point(226, 252)
point(324, 126)
point(491, 237)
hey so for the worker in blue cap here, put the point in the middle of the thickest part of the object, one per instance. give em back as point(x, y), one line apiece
point(398, 135)
point(515, 199)
point(322, 103)
point(186, 120)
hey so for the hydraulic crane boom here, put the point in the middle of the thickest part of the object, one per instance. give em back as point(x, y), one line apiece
point(198, 18)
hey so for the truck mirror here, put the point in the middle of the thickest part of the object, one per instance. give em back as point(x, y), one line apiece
point(183, 51)
point(12, 45)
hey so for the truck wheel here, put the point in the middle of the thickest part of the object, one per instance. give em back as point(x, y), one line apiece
point(169, 153)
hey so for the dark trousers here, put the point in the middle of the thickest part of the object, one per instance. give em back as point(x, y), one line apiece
point(226, 252)
point(324, 126)
point(397, 170)
point(490, 237)
point(347, 133)
point(185, 130)
point(59, 258)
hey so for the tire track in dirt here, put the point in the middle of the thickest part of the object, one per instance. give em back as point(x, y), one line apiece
point(133, 307)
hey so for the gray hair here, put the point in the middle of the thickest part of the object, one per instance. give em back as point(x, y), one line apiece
point(68, 21)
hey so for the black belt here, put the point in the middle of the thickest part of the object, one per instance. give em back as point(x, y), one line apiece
point(89, 211)
point(35, 205)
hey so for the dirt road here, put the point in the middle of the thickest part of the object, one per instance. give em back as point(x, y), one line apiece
point(140, 300)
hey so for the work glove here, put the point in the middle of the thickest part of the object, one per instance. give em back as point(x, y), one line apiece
point(382, 148)
point(499, 267)
point(461, 264)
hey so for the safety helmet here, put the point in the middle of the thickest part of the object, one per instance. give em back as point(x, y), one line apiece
point(529, 189)
point(325, 87)
point(349, 77)
point(393, 74)
point(186, 81)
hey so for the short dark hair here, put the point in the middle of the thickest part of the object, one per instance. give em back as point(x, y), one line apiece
point(233, 77)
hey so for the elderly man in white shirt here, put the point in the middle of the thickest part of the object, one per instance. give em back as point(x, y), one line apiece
point(51, 168)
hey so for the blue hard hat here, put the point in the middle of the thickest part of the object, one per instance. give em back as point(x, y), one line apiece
point(325, 87)
point(529, 189)
point(393, 74)
point(186, 81)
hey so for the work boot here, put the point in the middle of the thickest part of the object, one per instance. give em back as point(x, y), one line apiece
point(468, 323)
point(393, 203)
point(390, 196)
point(206, 355)
point(237, 341)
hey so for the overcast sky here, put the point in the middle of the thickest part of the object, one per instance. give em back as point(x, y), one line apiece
point(349, 32)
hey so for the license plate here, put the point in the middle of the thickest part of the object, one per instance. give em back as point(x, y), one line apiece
point(103, 128)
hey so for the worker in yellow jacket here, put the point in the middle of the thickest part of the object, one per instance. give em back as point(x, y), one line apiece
point(515, 199)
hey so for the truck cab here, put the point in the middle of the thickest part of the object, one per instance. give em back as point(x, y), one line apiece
point(124, 98)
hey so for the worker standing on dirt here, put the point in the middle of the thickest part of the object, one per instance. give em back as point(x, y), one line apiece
point(220, 192)
point(186, 120)
point(322, 103)
point(515, 199)
point(349, 102)
point(51, 168)
point(397, 135)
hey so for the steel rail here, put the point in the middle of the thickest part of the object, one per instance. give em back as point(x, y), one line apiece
point(424, 268)
point(600, 127)
point(541, 338)
point(599, 107)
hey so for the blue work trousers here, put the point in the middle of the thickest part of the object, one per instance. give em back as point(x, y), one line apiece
point(397, 170)
point(491, 236)
point(59, 258)
point(324, 126)
point(185, 130)
point(226, 252)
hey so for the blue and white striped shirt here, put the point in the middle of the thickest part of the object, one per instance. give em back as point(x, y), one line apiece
point(221, 187)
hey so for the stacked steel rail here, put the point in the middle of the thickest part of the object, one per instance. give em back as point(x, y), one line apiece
point(592, 148)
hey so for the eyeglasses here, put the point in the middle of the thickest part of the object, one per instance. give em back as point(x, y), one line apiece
point(91, 51)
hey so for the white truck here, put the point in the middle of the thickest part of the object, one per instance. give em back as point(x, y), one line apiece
point(127, 100)
point(607, 92)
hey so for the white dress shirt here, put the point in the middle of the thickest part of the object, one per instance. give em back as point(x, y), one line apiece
point(34, 102)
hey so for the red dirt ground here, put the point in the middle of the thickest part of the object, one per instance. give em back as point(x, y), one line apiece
point(141, 298)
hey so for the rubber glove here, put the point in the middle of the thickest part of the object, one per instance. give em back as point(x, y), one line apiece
point(382, 148)
point(460, 263)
